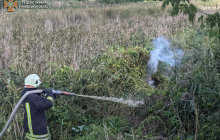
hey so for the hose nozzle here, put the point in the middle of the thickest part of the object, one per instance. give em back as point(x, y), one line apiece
point(58, 92)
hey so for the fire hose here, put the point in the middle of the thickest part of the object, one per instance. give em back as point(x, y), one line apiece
point(58, 92)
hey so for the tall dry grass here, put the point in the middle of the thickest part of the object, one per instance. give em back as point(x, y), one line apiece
point(35, 40)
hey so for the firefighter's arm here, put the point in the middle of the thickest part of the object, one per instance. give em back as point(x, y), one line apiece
point(45, 103)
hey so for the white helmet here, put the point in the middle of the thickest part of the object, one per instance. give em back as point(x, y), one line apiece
point(32, 81)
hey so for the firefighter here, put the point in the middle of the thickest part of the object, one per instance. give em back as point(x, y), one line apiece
point(35, 123)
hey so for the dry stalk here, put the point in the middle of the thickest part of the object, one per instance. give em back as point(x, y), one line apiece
point(105, 130)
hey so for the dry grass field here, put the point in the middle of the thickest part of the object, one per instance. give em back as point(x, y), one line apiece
point(36, 39)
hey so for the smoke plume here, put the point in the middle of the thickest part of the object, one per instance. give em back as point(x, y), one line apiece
point(163, 53)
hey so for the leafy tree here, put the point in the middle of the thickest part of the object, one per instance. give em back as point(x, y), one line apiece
point(185, 7)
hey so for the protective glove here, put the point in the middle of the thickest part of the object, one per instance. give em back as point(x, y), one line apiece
point(48, 92)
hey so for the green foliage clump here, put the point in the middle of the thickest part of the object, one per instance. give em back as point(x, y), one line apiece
point(109, 127)
point(11, 82)
point(120, 69)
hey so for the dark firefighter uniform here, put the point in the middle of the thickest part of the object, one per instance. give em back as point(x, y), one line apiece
point(35, 123)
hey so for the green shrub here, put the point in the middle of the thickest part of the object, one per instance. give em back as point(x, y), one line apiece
point(109, 127)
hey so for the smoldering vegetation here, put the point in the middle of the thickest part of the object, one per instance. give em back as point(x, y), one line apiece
point(162, 53)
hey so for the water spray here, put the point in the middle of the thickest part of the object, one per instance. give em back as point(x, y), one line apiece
point(113, 99)
point(120, 100)
point(58, 92)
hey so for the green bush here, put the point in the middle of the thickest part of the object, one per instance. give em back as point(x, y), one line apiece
point(109, 127)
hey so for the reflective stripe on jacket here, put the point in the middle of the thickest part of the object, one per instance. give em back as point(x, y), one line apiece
point(35, 123)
